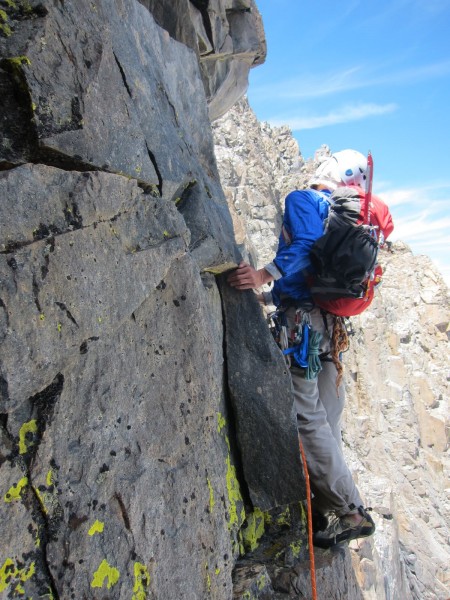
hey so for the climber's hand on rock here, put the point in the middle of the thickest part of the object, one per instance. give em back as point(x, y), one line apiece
point(245, 277)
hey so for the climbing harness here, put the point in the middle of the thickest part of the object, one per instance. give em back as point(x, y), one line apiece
point(310, 529)
point(301, 343)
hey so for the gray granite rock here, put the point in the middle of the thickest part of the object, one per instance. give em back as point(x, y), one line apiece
point(108, 96)
point(261, 394)
point(227, 35)
point(106, 246)
point(120, 470)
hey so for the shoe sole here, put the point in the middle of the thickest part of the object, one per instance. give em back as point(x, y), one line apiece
point(365, 531)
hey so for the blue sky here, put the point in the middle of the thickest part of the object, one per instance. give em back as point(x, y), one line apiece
point(369, 75)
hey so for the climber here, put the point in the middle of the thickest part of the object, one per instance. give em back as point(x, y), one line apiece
point(338, 507)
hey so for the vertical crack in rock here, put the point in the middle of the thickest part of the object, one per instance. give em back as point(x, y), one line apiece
point(182, 195)
point(69, 315)
point(45, 535)
point(6, 317)
point(122, 73)
point(7, 439)
point(234, 446)
point(155, 165)
point(123, 511)
point(3, 416)
point(42, 406)
point(36, 294)
point(4, 393)
point(23, 449)
point(169, 102)
point(202, 7)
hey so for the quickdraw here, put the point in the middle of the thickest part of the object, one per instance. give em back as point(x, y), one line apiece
point(300, 343)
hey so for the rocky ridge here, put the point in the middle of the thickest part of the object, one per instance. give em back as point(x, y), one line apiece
point(396, 429)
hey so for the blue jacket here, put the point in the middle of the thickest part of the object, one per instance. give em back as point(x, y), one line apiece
point(304, 215)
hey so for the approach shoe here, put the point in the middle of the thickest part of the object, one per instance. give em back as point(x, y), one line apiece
point(342, 529)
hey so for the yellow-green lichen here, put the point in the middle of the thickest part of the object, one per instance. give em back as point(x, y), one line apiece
point(304, 516)
point(96, 527)
point(268, 520)
point(13, 576)
point(5, 29)
point(234, 497)
point(29, 427)
point(217, 571)
point(284, 518)
point(48, 498)
point(15, 491)
point(211, 495)
point(3, 16)
point(26, 6)
point(261, 582)
point(208, 578)
point(141, 582)
point(219, 269)
point(105, 571)
point(6, 573)
point(50, 477)
point(42, 499)
point(296, 548)
point(221, 422)
point(253, 530)
point(42, 317)
point(17, 61)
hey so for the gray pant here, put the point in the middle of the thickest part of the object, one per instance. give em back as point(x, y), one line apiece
point(319, 412)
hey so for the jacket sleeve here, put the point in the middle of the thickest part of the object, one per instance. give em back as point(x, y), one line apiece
point(303, 224)
point(382, 215)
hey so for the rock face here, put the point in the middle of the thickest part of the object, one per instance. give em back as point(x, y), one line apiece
point(123, 473)
point(396, 426)
point(228, 37)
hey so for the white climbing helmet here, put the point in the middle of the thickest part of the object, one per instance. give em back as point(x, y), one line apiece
point(352, 167)
point(346, 167)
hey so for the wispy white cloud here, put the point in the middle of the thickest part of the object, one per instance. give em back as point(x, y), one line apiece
point(307, 86)
point(344, 114)
point(422, 220)
point(423, 229)
point(435, 193)
point(311, 85)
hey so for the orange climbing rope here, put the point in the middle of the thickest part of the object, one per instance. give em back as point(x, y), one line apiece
point(310, 531)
